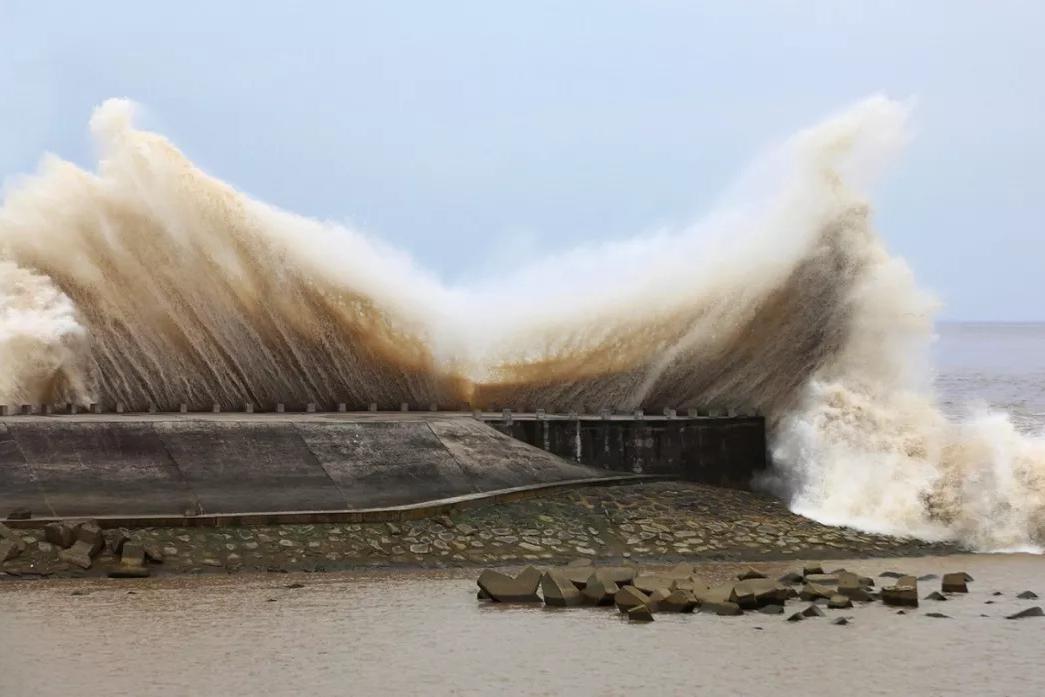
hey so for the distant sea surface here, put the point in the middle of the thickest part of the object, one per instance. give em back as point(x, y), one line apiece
point(1000, 366)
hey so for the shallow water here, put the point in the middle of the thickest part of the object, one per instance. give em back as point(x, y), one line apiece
point(423, 632)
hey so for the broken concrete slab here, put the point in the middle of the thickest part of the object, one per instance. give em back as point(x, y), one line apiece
point(599, 592)
point(678, 601)
point(750, 574)
point(649, 583)
point(954, 583)
point(132, 554)
point(723, 609)
point(822, 579)
point(905, 596)
point(629, 597)
point(91, 535)
point(754, 593)
point(812, 569)
point(559, 591)
point(839, 602)
point(812, 591)
point(505, 589)
point(640, 613)
point(117, 539)
point(1028, 595)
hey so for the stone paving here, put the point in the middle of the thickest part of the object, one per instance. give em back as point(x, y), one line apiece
point(651, 522)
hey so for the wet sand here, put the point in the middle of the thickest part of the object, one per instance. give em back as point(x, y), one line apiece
point(423, 632)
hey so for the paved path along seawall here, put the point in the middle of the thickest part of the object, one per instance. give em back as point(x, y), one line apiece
point(166, 465)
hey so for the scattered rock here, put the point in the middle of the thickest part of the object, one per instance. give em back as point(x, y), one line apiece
point(678, 601)
point(822, 579)
point(812, 570)
point(9, 549)
point(813, 611)
point(649, 583)
point(61, 534)
point(153, 553)
point(117, 539)
point(89, 535)
point(723, 609)
point(928, 577)
point(78, 555)
point(938, 615)
point(796, 617)
point(954, 583)
point(890, 574)
point(505, 589)
point(1028, 595)
point(294, 586)
point(812, 591)
point(1029, 612)
point(640, 613)
point(936, 595)
point(839, 602)
point(771, 609)
point(755, 593)
point(855, 593)
point(749, 574)
point(791, 578)
point(559, 591)
point(840, 620)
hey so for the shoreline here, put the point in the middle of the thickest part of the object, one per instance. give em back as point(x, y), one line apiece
point(650, 523)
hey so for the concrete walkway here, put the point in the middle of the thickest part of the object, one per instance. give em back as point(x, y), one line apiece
point(164, 465)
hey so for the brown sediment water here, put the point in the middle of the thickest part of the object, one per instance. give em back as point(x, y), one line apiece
point(423, 632)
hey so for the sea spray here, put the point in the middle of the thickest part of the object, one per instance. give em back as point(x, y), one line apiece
point(149, 282)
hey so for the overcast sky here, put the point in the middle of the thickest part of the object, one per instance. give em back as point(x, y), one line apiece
point(479, 134)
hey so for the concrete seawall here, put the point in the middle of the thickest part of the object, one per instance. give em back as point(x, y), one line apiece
point(223, 464)
point(725, 451)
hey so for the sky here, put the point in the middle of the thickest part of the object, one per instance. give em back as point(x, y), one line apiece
point(480, 135)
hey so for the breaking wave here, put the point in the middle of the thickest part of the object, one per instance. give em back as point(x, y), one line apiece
point(149, 282)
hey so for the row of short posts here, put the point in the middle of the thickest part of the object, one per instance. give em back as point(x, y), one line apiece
point(183, 408)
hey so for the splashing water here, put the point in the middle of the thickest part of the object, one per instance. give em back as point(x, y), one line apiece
point(151, 283)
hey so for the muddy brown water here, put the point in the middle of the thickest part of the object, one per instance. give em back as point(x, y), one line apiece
point(422, 632)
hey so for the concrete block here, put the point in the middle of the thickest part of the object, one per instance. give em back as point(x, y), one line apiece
point(5, 410)
point(183, 408)
point(341, 407)
point(669, 412)
point(27, 409)
point(310, 408)
point(60, 533)
point(280, 408)
point(248, 407)
point(133, 554)
point(639, 415)
point(96, 408)
point(433, 407)
point(46, 409)
point(9, 550)
point(404, 407)
point(73, 409)
point(152, 408)
point(90, 535)
point(604, 413)
point(77, 555)
point(540, 413)
point(372, 406)
point(216, 408)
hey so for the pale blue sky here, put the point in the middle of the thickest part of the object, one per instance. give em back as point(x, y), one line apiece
point(478, 134)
